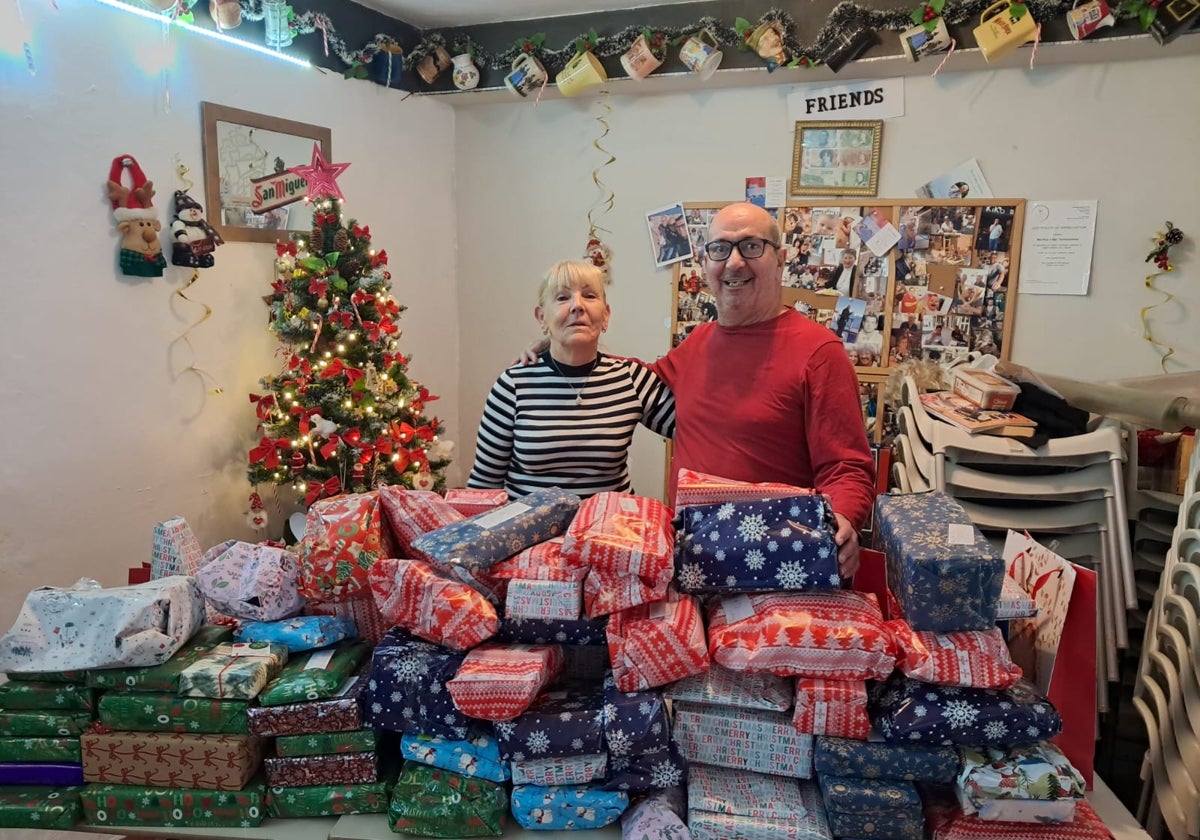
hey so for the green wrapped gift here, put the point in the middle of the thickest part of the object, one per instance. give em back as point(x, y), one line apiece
point(317, 675)
point(53, 750)
point(80, 677)
point(170, 807)
point(328, 800)
point(164, 677)
point(168, 713)
point(433, 802)
point(325, 743)
point(233, 672)
point(44, 724)
point(39, 807)
point(47, 696)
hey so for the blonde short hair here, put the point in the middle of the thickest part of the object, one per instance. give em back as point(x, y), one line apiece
point(567, 273)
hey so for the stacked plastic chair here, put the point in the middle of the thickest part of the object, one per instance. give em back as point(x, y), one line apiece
point(1071, 490)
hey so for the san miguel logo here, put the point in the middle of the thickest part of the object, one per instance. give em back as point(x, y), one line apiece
point(277, 190)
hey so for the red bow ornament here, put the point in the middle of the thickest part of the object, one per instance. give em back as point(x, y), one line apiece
point(288, 248)
point(263, 405)
point(378, 259)
point(319, 491)
point(363, 232)
point(268, 451)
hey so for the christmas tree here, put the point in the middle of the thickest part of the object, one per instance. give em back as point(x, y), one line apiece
point(343, 415)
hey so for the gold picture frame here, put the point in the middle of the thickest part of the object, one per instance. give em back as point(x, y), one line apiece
point(836, 158)
point(249, 195)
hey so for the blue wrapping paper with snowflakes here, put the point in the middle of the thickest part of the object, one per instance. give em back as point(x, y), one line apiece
point(905, 711)
point(643, 772)
point(306, 632)
point(756, 546)
point(566, 808)
point(541, 631)
point(943, 572)
point(477, 755)
point(913, 762)
point(872, 808)
point(634, 721)
point(407, 688)
point(566, 723)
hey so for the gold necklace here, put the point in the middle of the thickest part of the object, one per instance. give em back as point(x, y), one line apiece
point(577, 392)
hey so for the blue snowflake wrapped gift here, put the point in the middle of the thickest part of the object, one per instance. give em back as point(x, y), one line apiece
point(566, 723)
point(912, 762)
point(872, 807)
point(406, 691)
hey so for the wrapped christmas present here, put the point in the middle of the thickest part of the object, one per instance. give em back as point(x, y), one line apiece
point(697, 488)
point(566, 808)
point(250, 582)
point(52, 750)
point(431, 802)
point(905, 710)
point(830, 635)
point(655, 644)
point(164, 677)
point(78, 677)
point(472, 546)
point(970, 658)
point(477, 755)
point(308, 770)
point(913, 762)
point(751, 806)
point(45, 808)
point(86, 627)
point(561, 723)
point(340, 713)
point(315, 676)
point(560, 770)
point(175, 551)
point(233, 672)
point(551, 600)
point(407, 688)
point(343, 538)
point(470, 501)
point(626, 541)
point(325, 743)
point(360, 610)
point(943, 572)
point(446, 612)
point(329, 800)
point(115, 804)
point(658, 815)
point(947, 821)
point(33, 724)
point(634, 721)
point(207, 762)
point(1034, 783)
point(742, 739)
point(46, 697)
point(539, 631)
point(170, 713)
point(775, 544)
point(832, 707)
point(411, 513)
point(872, 807)
point(723, 687)
point(1014, 601)
point(543, 561)
point(499, 682)
point(41, 773)
point(644, 772)
point(298, 634)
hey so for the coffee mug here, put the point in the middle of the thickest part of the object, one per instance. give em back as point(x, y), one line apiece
point(1086, 19)
point(527, 76)
point(700, 54)
point(767, 41)
point(433, 64)
point(919, 42)
point(582, 72)
point(639, 61)
point(999, 33)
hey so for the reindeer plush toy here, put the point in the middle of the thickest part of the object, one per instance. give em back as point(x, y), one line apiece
point(137, 221)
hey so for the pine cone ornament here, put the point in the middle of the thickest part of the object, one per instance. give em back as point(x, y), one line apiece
point(317, 240)
point(341, 240)
point(350, 267)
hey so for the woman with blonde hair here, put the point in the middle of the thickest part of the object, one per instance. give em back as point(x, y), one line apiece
point(567, 420)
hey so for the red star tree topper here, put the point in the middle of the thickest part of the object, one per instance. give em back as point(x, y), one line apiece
point(342, 415)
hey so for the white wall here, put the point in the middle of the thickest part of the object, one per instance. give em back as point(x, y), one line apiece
point(101, 440)
point(1123, 133)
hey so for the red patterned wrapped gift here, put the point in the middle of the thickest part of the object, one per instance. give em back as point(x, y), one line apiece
point(499, 682)
point(362, 610)
point(832, 707)
point(697, 488)
point(308, 770)
point(412, 595)
point(628, 543)
point(833, 635)
point(470, 501)
point(946, 821)
point(343, 537)
point(161, 759)
point(411, 513)
point(969, 658)
point(544, 561)
point(654, 644)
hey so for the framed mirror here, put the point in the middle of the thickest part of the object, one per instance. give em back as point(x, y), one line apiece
point(249, 194)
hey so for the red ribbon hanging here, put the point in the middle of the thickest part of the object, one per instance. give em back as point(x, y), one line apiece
point(264, 404)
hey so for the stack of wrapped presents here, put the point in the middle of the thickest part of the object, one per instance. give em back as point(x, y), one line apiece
point(458, 662)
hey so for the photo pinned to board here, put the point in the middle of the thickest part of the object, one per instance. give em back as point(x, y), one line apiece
point(668, 235)
point(697, 224)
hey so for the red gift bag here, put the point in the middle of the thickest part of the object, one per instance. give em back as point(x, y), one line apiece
point(1073, 686)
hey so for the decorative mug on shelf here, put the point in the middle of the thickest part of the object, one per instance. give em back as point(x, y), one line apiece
point(639, 60)
point(700, 54)
point(1086, 19)
point(465, 74)
point(433, 64)
point(919, 41)
point(767, 41)
point(582, 72)
point(1000, 32)
point(527, 76)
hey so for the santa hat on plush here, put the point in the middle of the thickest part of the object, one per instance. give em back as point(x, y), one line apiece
point(134, 201)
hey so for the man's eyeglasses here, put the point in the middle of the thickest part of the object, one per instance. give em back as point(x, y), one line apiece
point(750, 248)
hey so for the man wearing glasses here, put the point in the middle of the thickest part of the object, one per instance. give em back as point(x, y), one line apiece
point(763, 393)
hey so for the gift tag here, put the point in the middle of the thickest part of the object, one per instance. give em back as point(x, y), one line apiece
point(319, 660)
point(509, 511)
point(737, 608)
point(960, 534)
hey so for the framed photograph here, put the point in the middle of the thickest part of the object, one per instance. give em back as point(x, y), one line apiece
point(836, 158)
point(249, 194)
